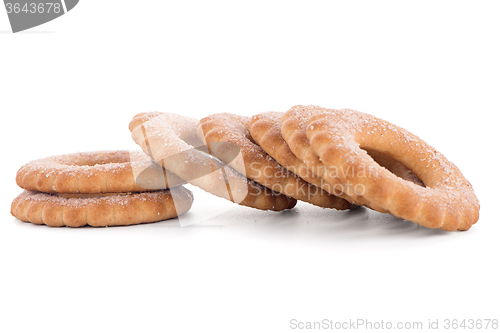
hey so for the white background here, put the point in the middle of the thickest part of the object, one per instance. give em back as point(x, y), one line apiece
point(74, 84)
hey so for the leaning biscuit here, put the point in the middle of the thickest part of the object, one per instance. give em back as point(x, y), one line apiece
point(293, 130)
point(265, 129)
point(255, 163)
point(99, 210)
point(341, 139)
point(169, 139)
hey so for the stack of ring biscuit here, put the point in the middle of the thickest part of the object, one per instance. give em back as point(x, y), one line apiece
point(104, 188)
point(338, 159)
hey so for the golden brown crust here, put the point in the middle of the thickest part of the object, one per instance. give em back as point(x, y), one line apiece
point(255, 163)
point(166, 138)
point(94, 172)
point(128, 209)
point(340, 138)
point(265, 129)
point(293, 130)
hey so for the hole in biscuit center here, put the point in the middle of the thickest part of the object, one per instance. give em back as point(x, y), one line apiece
point(93, 163)
point(90, 162)
point(394, 166)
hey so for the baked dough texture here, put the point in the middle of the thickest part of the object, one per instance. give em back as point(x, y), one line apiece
point(101, 210)
point(103, 188)
point(253, 162)
point(293, 130)
point(265, 129)
point(327, 157)
point(95, 172)
point(170, 140)
point(341, 138)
